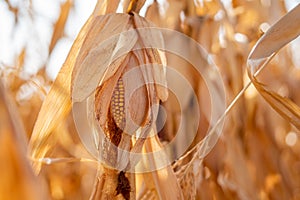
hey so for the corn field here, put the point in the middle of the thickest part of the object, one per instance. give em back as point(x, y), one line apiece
point(149, 99)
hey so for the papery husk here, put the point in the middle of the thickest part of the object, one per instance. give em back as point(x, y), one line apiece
point(280, 34)
point(118, 44)
point(135, 109)
point(99, 44)
point(95, 60)
point(162, 183)
point(130, 33)
point(151, 38)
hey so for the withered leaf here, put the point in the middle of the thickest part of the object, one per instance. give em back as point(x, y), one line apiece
point(280, 34)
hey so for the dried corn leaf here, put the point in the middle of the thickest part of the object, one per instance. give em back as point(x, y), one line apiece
point(21, 58)
point(59, 26)
point(277, 36)
point(56, 105)
point(17, 178)
point(106, 6)
point(280, 34)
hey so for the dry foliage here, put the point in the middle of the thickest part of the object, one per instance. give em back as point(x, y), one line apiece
point(44, 156)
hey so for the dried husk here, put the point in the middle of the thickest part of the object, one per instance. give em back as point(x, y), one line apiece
point(94, 59)
point(118, 59)
point(118, 44)
point(161, 183)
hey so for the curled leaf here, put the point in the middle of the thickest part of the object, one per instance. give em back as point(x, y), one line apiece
point(280, 34)
point(277, 36)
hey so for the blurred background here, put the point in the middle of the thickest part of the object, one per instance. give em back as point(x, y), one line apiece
point(257, 156)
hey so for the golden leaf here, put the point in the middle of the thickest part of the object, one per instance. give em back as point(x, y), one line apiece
point(59, 26)
point(17, 178)
point(56, 106)
point(280, 34)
